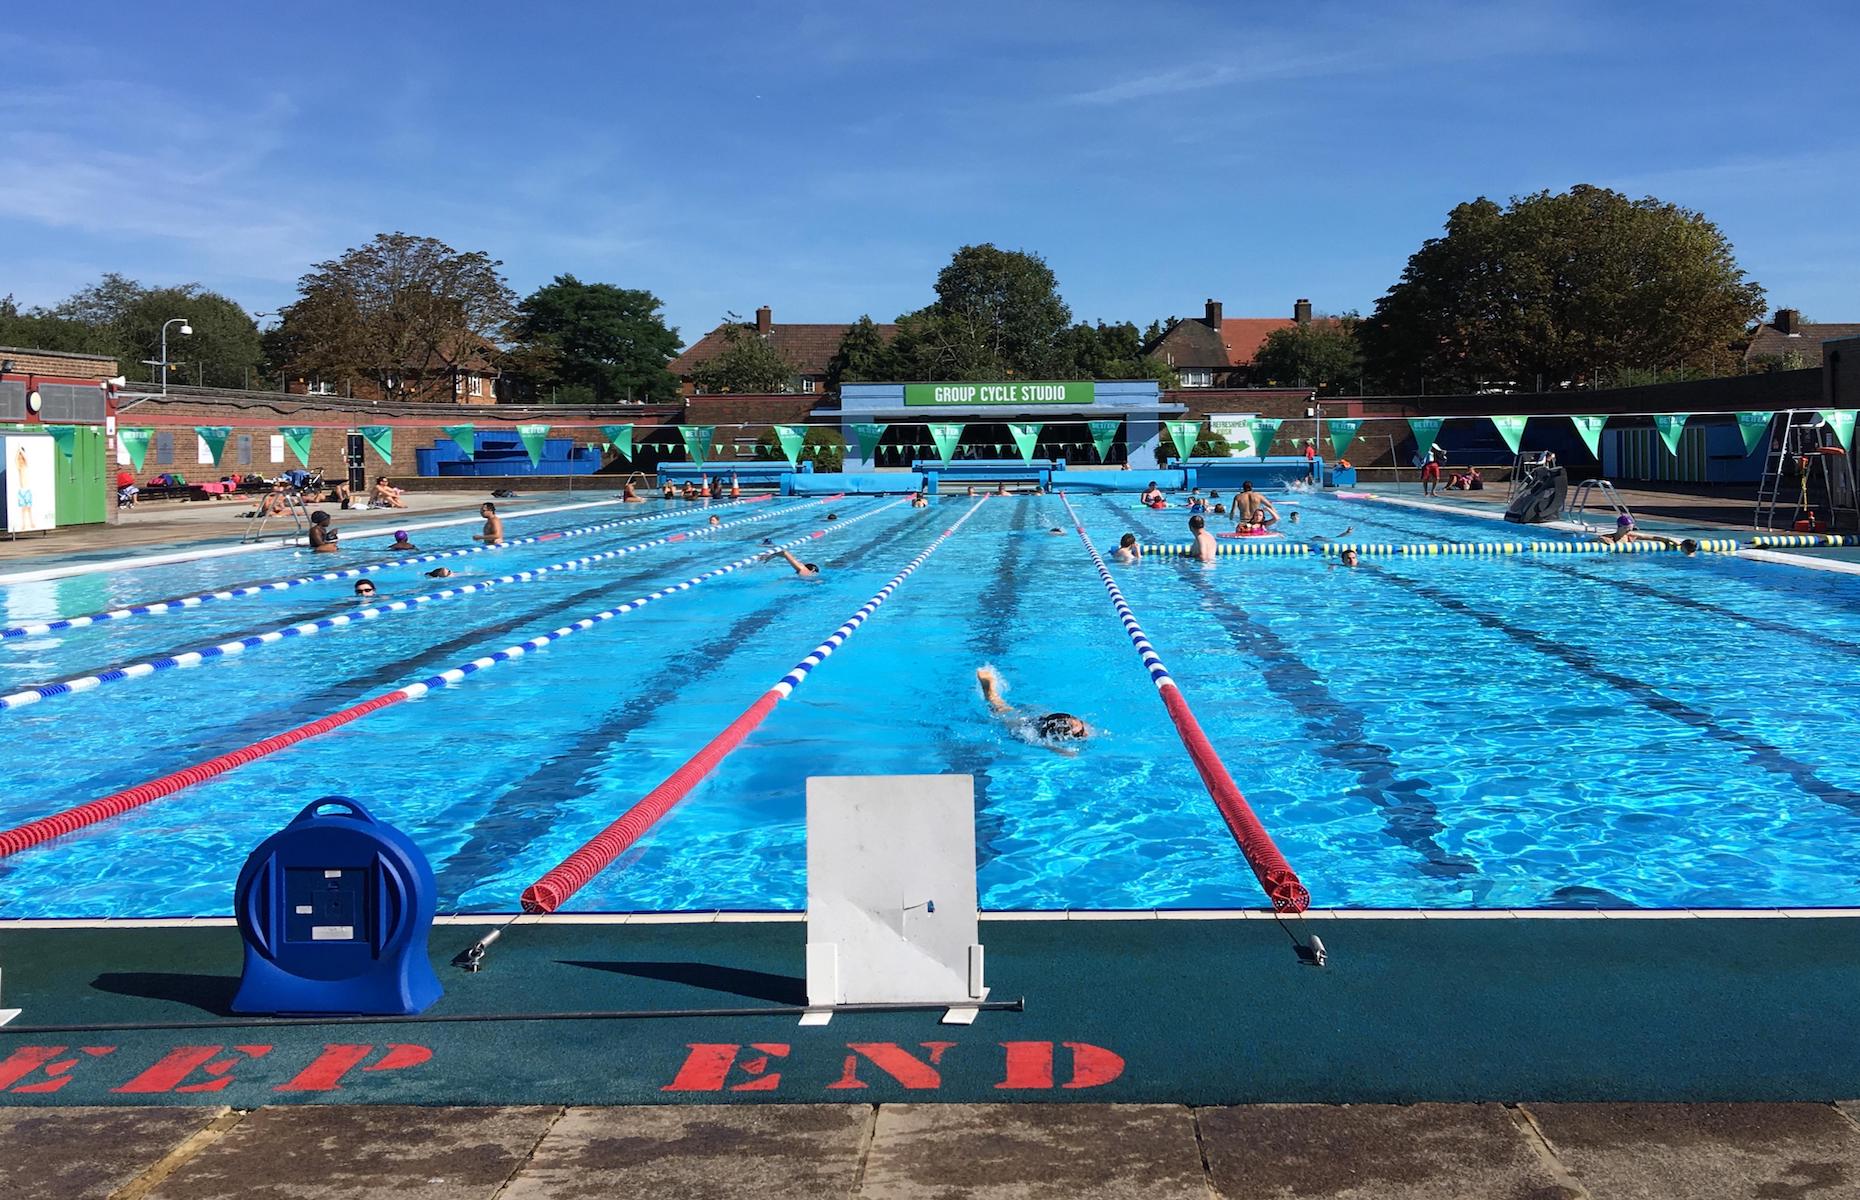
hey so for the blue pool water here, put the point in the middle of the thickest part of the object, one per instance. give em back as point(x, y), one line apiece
point(1429, 732)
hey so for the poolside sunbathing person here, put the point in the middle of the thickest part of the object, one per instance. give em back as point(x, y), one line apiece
point(364, 589)
point(1053, 730)
point(1128, 551)
point(322, 533)
point(341, 494)
point(1251, 508)
point(493, 525)
point(400, 541)
point(386, 495)
point(1204, 541)
point(801, 569)
point(274, 503)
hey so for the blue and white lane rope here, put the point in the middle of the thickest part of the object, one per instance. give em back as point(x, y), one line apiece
point(184, 602)
point(79, 816)
point(191, 658)
point(570, 875)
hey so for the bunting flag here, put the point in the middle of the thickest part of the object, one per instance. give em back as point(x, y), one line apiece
point(297, 438)
point(620, 437)
point(1590, 428)
point(215, 437)
point(1670, 427)
point(1264, 429)
point(380, 439)
point(1026, 436)
point(1841, 421)
point(1184, 434)
point(697, 441)
point(790, 438)
point(135, 443)
point(946, 435)
point(1425, 430)
point(1512, 430)
point(1103, 433)
point(870, 434)
point(1753, 425)
point(1343, 432)
point(463, 436)
point(535, 437)
point(64, 437)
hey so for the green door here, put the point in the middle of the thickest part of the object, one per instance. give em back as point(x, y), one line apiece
point(81, 484)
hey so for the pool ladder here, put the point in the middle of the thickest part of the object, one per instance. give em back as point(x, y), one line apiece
point(1577, 507)
point(294, 508)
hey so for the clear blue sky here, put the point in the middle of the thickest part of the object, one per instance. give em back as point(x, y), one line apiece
point(826, 159)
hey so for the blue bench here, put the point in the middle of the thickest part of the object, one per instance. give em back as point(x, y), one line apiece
point(1037, 471)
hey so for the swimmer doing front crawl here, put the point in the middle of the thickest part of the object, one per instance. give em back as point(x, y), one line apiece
point(1054, 730)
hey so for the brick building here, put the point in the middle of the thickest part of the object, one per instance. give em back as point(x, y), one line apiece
point(1217, 351)
point(1787, 339)
point(808, 348)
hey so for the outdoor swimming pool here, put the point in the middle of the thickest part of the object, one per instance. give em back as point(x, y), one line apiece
point(1510, 732)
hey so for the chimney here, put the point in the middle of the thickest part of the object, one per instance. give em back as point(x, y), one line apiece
point(1788, 321)
point(764, 318)
point(1301, 311)
point(1213, 319)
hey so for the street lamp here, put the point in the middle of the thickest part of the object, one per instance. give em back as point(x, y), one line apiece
point(186, 329)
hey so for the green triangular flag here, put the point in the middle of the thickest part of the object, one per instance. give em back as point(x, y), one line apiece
point(1511, 429)
point(870, 433)
point(790, 439)
point(1591, 430)
point(1264, 429)
point(946, 434)
point(215, 437)
point(1103, 433)
point(1425, 429)
point(697, 441)
point(1670, 427)
point(298, 438)
point(620, 437)
point(135, 443)
point(534, 437)
point(1841, 421)
point(1184, 434)
point(1026, 436)
point(380, 439)
point(465, 437)
point(1343, 432)
point(1753, 425)
point(64, 437)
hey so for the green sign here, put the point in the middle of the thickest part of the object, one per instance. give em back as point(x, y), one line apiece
point(1425, 429)
point(1511, 429)
point(946, 436)
point(620, 437)
point(1184, 434)
point(697, 441)
point(215, 437)
point(64, 437)
point(1343, 432)
point(1026, 436)
point(298, 438)
point(535, 437)
point(1103, 433)
point(462, 437)
point(1841, 421)
point(135, 443)
point(790, 439)
point(945, 394)
point(1264, 430)
point(1236, 431)
point(1671, 425)
point(870, 434)
point(380, 438)
point(1591, 430)
point(1753, 425)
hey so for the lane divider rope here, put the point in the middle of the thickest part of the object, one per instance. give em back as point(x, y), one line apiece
point(57, 824)
point(173, 604)
point(1275, 875)
point(562, 881)
point(1770, 540)
point(193, 658)
point(1430, 549)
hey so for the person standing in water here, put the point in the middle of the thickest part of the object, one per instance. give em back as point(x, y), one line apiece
point(1204, 541)
point(493, 525)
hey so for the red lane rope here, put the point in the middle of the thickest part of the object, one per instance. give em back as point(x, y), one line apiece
point(573, 873)
point(1275, 875)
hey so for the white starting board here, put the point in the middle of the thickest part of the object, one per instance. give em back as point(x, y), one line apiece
point(891, 892)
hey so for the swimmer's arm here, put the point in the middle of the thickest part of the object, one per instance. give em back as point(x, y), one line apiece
point(986, 679)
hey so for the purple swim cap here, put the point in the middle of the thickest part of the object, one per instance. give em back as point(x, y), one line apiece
point(1624, 521)
point(400, 535)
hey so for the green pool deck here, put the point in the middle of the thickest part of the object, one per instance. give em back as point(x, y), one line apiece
point(1120, 1008)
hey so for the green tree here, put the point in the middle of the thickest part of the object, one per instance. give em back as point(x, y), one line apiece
point(861, 356)
point(597, 340)
point(406, 312)
point(1322, 353)
point(38, 329)
point(1565, 286)
point(748, 364)
point(997, 314)
point(123, 318)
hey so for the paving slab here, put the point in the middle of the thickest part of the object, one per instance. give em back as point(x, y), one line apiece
point(64, 1153)
point(1705, 1151)
point(1379, 1151)
point(1034, 1152)
point(320, 1152)
point(701, 1152)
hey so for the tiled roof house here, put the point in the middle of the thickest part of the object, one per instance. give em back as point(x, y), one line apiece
point(809, 347)
point(1215, 350)
point(1786, 333)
